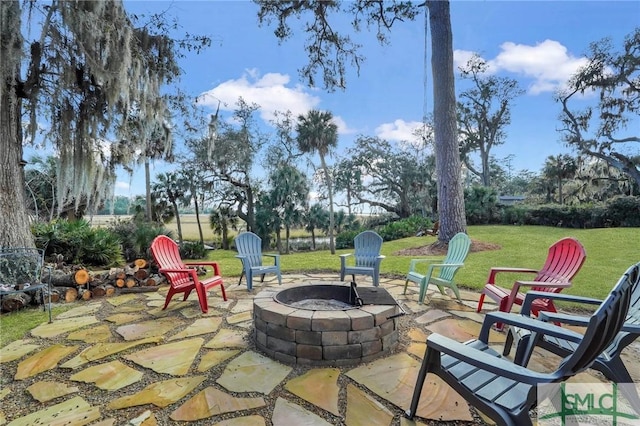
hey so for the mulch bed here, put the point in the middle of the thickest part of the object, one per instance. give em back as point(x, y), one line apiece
point(438, 249)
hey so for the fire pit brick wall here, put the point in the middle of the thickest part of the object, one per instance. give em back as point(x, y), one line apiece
point(327, 338)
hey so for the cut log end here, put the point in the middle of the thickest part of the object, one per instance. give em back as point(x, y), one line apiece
point(141, 263)
point(81, 276)
point(70, 295)
point(14, 302)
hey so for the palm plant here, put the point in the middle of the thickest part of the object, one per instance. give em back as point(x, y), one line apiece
point(289, 195)
point(221, 220)
point(170, 187)
point(317, 133)
point(559, 168)
point(315, 217)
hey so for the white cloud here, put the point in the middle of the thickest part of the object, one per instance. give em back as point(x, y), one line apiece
point(343, 128)
point(399, 130)
point(270, 91)
point(122, 188)
point(548, 64)
point(460, 58)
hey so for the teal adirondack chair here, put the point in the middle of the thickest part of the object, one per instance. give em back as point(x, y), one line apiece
point(440, 274)
point(249, 247)
point(367, 257)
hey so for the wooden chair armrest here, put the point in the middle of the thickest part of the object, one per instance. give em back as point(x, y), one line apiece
point(555, 317)
point(527, 323)
point(631, 328)
point(500, 366)
point(434, 266)
point(415, 262)
point(176, 270)
point(214, 265)
point(343, 259)
point(516, 288)
point(440, 265)
point(533, 295)
point(275, 256)
point(495, 270)
point(426, 259)
point(565, 284)
point(190, 271)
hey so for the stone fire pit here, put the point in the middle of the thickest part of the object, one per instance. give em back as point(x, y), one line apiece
point(318, 324)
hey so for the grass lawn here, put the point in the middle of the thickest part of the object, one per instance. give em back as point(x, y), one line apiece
point(609, 253)
point(15, 325)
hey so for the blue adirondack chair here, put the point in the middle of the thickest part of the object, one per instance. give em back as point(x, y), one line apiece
point(366, 257)
point(249, 247)
point(566, 342)
point(457, 252)
point(505, 391)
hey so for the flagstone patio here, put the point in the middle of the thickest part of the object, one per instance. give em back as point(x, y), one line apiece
point(124, 361)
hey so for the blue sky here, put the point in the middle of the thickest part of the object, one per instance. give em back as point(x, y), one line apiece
point(538, 43)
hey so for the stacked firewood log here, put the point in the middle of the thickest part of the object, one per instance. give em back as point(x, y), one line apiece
point(80, 283)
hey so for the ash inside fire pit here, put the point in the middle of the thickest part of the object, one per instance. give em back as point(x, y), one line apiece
point(318, 297)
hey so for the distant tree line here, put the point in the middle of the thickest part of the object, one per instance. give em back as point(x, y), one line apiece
point(247, 178)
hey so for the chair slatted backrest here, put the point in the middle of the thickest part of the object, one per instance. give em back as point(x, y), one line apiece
point(563, 262)
point(250, 245)
point(457, 252)
point(624, 338)
point(604, 324)
point(367, 247)
point(166, 253)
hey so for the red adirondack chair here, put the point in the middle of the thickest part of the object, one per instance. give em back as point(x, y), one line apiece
point(183, 279)
point(564, 260)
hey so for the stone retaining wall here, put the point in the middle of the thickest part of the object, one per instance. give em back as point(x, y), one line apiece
point(326, 338)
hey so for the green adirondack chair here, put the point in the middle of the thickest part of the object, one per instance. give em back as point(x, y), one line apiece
point(440, 274)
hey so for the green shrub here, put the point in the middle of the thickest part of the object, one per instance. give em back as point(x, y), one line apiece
point(481, 205)
point(78, 243)
point(419, 224)
point(136, 236)
point(101, 247)
point(618, 212)
point(391, 230)
point(623, 211)
point(399, 229)
point(513, 215)
point(344, 239)
point(192, 250)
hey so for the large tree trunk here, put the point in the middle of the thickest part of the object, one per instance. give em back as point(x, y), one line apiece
point(448, 168)
point(178, 223)
point(197, 207)
point(14, 218)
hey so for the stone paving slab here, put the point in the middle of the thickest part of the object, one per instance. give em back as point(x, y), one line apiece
point(130, 350)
